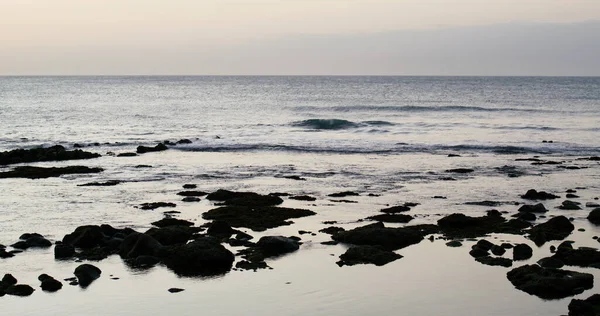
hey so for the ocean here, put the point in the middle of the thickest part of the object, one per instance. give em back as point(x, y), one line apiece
point(387, 138)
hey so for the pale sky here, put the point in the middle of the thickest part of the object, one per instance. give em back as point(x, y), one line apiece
point(189, 36)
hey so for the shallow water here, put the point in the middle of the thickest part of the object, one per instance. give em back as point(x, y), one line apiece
point(390, 136)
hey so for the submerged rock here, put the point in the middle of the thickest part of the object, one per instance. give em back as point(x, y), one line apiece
point(41, 172)
point(257, 218)
point(549, 283)
point(100, 184)
point(391, 218)
point(155, 205)
point(248, 199)
point(541, 195)
point(169, 221)
point(367, 254)
point(569, 205)
point(494, 261)
point(54, 153)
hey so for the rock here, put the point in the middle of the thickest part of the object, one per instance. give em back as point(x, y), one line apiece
point(549, 283)
point(303, 198)
point(33, 240)
point(592, 204)
point(100, 184)
point(367, 254)
point(572, 196)
point(171, 235)
point(9, 279)
point(192, 193)
point(190, 199)
point(19, 290)
point(155, 205)
point(126, 155)
point(138, 244)
point(588, 307)
point(460, 170)
point(379, 235)
point(85, 237)
point(248, 199)
point(556, 228)
point(395, 209)
point(220, 229)
point(594, 216)
point(49, 284)
point(343, 194)
point(569, 205)
point(5, 255)
point(144, 149)
point(581, 257)
point(297, 178)
point(463, 226)
point(391, 218)
point(41, 172)
point(487, 203)
point(86, 274)
point(184, 141)
point(251, 265)
point(454, 243)
point(541, 195)
point(550, 262)
point(204, 256)
point(277, 245)
point(498, 250)
point(145, 261)
point(175, 290)
point(484, 244)
point(494, 261)
point(537, 208)
point(54, 153)
point(477, 252)
point(526, 216)
point(169, 221)
point(255, 218)
point(63, 251)
point(522, 252)
point(189, 186)
point(331, 230)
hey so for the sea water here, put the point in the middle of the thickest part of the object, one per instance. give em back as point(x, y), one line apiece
point(389, 137)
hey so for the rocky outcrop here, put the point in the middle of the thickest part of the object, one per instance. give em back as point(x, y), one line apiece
point(588, 307)
point(556, 228)
point(247, 199)
point(201, 257)
point(367, 254)
point(54, 153)
point(145, 149)
point(86, 274)
point(277, 245)
point(549, 283)
point(255, 218)
point(378, 235)
point(49, 284)
point(541, 195)
point(594, 216)
point(41, 172)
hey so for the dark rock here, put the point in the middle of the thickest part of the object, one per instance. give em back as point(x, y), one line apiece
point(477, 252)
point(537, 208)
point(581, 257)
point(331, 230)
point(391, 218)
point(8, 279)
point(19, 290)
point(460, 225)
point(453, 155)
point(378, 235)
point(277, 245)
point(189, 186)
point(486, 203)
point(143, 166)
point(155, 205)
point(145, 149)
point(569, 205)
point(588, 307)
point(126, 155)
point(49, 284)
point(171, 235)
point(54, 153)
point(86, 274)
point(522, 252)
point(506, 246)
point(494, 261)
point(203, 256)
point(247, 199)
point(330, 243)
point(498, 250)
point(175, 290)
point(86, 237)
point(190, 199)
point(556, 228)
point(303, 198)
point(257, 218)
point(220, 229)
point(343, 194)
point(100, 184)
point(592, 204)
point(526, 216)
point(169, 221)
point(138, 244)
point(192, 193)
point(63, 251)
point(484, 244)
point(41, 172)
point(454, 243)
point(549, 283)
point(184, 141)
point(367, 254)
point(550, 262)
point(297, 178)
point(145, 261)
point(541, 195)
point(460, 170)
point(343, 201)
point(251, 265)
point(395, 209)
point(572, 196)
point(594, 216)
point(5, 255)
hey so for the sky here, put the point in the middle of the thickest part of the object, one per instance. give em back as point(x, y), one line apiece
point(287, 37)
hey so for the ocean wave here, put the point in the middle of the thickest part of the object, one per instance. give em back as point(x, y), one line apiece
point(337, 124)
point(415, 108)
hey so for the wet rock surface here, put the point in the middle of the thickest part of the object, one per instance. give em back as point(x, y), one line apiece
point(587, 307)
point(86, 274)
point(367, 255)
point(378, 235)
point(541, 195)
point(30, 172)
point(146, 149)
point(549, 283)
point(201, 257)
point(255, 218)
point(556, 228)
point(54, 153)
point(247, 199)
